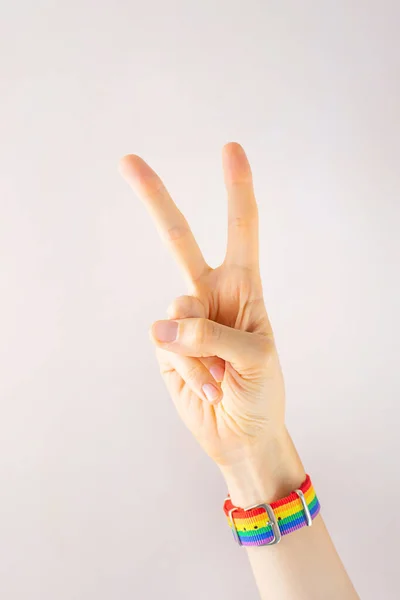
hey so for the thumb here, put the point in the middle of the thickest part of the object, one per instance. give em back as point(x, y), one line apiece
point(202, 338)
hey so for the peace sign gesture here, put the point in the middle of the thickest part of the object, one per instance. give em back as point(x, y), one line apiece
point(216, 352)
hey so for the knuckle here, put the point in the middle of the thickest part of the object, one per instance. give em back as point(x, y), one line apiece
point(200, 333)
point(178, 308)
point(241, 222)
point(185, 307)
point(176, 233)
point(245, 221)
point(205, 331)
point(155, 188)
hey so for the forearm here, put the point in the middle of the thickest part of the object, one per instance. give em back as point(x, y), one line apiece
point(305, 564)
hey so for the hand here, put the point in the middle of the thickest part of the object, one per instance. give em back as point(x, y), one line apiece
point(216, 352)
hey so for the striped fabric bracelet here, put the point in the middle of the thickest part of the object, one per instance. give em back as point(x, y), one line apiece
point(264, 524)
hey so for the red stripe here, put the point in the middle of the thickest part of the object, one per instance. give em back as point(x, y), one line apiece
point(240, 513)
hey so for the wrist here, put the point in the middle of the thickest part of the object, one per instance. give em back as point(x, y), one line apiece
point(264, 473)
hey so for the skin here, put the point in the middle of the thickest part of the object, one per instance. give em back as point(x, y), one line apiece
point(218, 358)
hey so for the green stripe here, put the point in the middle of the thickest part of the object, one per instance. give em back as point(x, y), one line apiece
point(253, 532)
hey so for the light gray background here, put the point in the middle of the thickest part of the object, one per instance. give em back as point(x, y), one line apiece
point(104, 494)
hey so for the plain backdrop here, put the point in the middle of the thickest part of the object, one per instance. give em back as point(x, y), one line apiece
point(103, 492)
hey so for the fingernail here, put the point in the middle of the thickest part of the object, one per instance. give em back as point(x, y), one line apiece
point(211, 392)
point(165, 331)
point(217, 371)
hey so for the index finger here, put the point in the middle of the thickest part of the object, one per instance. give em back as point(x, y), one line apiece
point(169, 220)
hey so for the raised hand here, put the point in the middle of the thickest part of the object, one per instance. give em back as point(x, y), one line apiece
point(219, 361)
point(216, 352)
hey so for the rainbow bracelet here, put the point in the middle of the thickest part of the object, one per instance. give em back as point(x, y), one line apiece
point(264, 524)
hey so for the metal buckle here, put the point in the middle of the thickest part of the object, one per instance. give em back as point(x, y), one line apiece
point(305, 507)
point(273, 523)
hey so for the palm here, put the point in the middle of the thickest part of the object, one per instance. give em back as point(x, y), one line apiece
point(230, 295)
point(233, 298)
